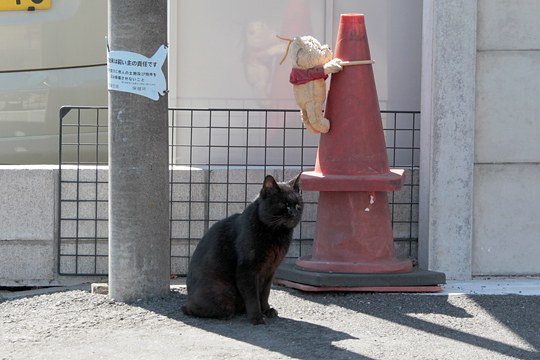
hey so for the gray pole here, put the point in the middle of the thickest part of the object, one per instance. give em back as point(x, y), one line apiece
point(139, 243)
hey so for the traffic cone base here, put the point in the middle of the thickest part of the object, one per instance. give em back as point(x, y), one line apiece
point(417, 280)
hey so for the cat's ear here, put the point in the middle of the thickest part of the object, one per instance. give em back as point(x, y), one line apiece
point(270, 185)
point(295, 183)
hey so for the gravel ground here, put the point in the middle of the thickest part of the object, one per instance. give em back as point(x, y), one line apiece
point(75, 324)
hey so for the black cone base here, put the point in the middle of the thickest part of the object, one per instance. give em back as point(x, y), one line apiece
point(417, 280)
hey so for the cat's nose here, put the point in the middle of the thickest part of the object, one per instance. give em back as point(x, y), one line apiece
point(293, 211)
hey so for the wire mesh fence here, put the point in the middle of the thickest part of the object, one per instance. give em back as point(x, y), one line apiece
point(218, 160)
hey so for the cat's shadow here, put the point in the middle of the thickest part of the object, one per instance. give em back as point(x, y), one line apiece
point(290, 337)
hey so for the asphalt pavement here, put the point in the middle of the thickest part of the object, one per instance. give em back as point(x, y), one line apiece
point(479, 319)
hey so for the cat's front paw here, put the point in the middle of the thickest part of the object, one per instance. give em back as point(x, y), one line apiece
point(258, 320)
point(270, 313)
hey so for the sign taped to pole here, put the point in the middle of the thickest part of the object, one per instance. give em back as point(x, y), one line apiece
point(135, 73)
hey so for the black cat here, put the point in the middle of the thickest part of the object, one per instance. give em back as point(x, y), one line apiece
point(232, 268)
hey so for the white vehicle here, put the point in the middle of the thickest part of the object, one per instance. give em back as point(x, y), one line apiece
point(49, 58)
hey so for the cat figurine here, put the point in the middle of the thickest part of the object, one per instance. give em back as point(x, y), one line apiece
point(232, 268)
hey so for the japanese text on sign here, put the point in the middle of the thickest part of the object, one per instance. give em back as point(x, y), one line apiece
point(137, 74)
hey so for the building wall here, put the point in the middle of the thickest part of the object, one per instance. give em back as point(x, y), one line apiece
point(507, 139)
point(447, 136)
point(480, 161)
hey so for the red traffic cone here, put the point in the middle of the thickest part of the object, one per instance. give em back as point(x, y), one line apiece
point(353, 232)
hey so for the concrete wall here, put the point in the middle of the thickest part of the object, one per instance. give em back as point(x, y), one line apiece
point(27, 213)
point(28, 244)
point(32, 255)
point(507, 139)
point(447, 136)
point(479, 198)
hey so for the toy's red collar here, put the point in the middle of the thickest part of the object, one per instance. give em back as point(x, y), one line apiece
point(302, 76)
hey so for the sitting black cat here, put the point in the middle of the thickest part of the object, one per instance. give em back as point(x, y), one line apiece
point(232, 268)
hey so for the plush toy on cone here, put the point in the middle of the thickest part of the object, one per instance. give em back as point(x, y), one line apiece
point(312, 63)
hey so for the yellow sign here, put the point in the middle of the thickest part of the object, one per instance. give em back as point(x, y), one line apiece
point(29, 5)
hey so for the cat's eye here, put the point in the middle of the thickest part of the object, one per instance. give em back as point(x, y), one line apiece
point(289, 206)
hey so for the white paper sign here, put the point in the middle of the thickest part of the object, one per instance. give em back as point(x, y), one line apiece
point(137, 74)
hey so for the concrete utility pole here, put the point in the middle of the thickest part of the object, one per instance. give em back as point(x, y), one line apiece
point(139, 243)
